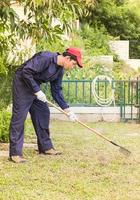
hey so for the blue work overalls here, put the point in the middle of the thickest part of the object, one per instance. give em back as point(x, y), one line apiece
point(41, 68)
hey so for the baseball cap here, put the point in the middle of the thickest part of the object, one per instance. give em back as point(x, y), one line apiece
point(76, 52)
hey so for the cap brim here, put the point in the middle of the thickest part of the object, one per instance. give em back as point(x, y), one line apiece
point(79, 63)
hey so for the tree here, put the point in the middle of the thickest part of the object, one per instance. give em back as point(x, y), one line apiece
point(37, 25)
point(39, 20)
point(118, 18)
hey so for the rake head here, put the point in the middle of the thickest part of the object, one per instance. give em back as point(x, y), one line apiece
point(124, 151)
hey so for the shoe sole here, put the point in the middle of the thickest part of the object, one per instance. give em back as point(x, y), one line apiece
point(10, 159)
point(51, 154)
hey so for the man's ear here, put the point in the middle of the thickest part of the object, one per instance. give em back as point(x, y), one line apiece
point(67, 58)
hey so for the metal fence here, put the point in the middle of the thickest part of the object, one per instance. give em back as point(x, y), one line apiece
point(126, 94)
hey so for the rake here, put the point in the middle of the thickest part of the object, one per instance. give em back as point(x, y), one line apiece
point(123, 150)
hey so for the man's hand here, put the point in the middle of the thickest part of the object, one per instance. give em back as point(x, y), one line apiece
point(71, 115)
point(41, 96)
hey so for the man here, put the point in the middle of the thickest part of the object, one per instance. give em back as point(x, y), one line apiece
point(27, 96)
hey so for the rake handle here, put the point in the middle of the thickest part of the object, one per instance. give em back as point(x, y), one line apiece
point(83, 124)
point(122, 149)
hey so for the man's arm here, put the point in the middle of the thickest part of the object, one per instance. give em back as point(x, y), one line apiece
point(56, 90)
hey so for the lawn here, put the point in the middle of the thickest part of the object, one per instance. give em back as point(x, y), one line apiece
point(89, 168)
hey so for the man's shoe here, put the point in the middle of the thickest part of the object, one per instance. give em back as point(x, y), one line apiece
point(52, 152)
point(17, 159)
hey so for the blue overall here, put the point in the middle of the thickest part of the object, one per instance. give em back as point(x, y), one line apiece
point(41, 68)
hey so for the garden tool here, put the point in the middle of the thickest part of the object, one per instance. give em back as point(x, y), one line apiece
point(123, 150)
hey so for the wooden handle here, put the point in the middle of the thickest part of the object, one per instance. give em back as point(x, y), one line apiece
point(83, 124)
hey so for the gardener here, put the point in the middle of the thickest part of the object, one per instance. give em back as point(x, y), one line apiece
point(27, 96)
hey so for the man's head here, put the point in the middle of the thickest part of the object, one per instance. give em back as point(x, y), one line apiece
point(72, 56)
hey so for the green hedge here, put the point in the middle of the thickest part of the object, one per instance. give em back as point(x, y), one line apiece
point(5, 117)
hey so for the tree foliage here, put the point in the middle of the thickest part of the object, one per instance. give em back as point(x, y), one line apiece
point(39, 17)
point(118, 18)
point(38, 23)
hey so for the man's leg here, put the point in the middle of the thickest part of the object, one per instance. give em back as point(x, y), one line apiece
point(17, 131)
point(40, 115)
point(22, 100)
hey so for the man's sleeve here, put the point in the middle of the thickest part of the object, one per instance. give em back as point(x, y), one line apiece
point(56, 90)
point(36, 64)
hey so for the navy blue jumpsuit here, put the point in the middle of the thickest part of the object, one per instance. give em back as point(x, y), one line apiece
point(41, 68)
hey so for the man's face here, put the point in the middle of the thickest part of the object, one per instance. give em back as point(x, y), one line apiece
point(68, 63)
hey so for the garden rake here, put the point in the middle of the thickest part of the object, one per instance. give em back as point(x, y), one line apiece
point(123, 150)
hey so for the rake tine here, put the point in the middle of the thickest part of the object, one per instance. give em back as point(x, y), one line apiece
point(123, 150)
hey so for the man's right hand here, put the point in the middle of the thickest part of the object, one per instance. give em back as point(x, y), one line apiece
point(71, 115)
point(41, 96)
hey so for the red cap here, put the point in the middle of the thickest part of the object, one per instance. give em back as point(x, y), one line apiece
point(76, 52)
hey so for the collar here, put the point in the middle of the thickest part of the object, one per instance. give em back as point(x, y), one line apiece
point(55, 57)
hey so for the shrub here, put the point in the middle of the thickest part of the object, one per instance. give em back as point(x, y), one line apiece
point(4, 125)
point(95, 40)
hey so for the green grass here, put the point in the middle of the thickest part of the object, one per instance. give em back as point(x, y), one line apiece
point(89, 168)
